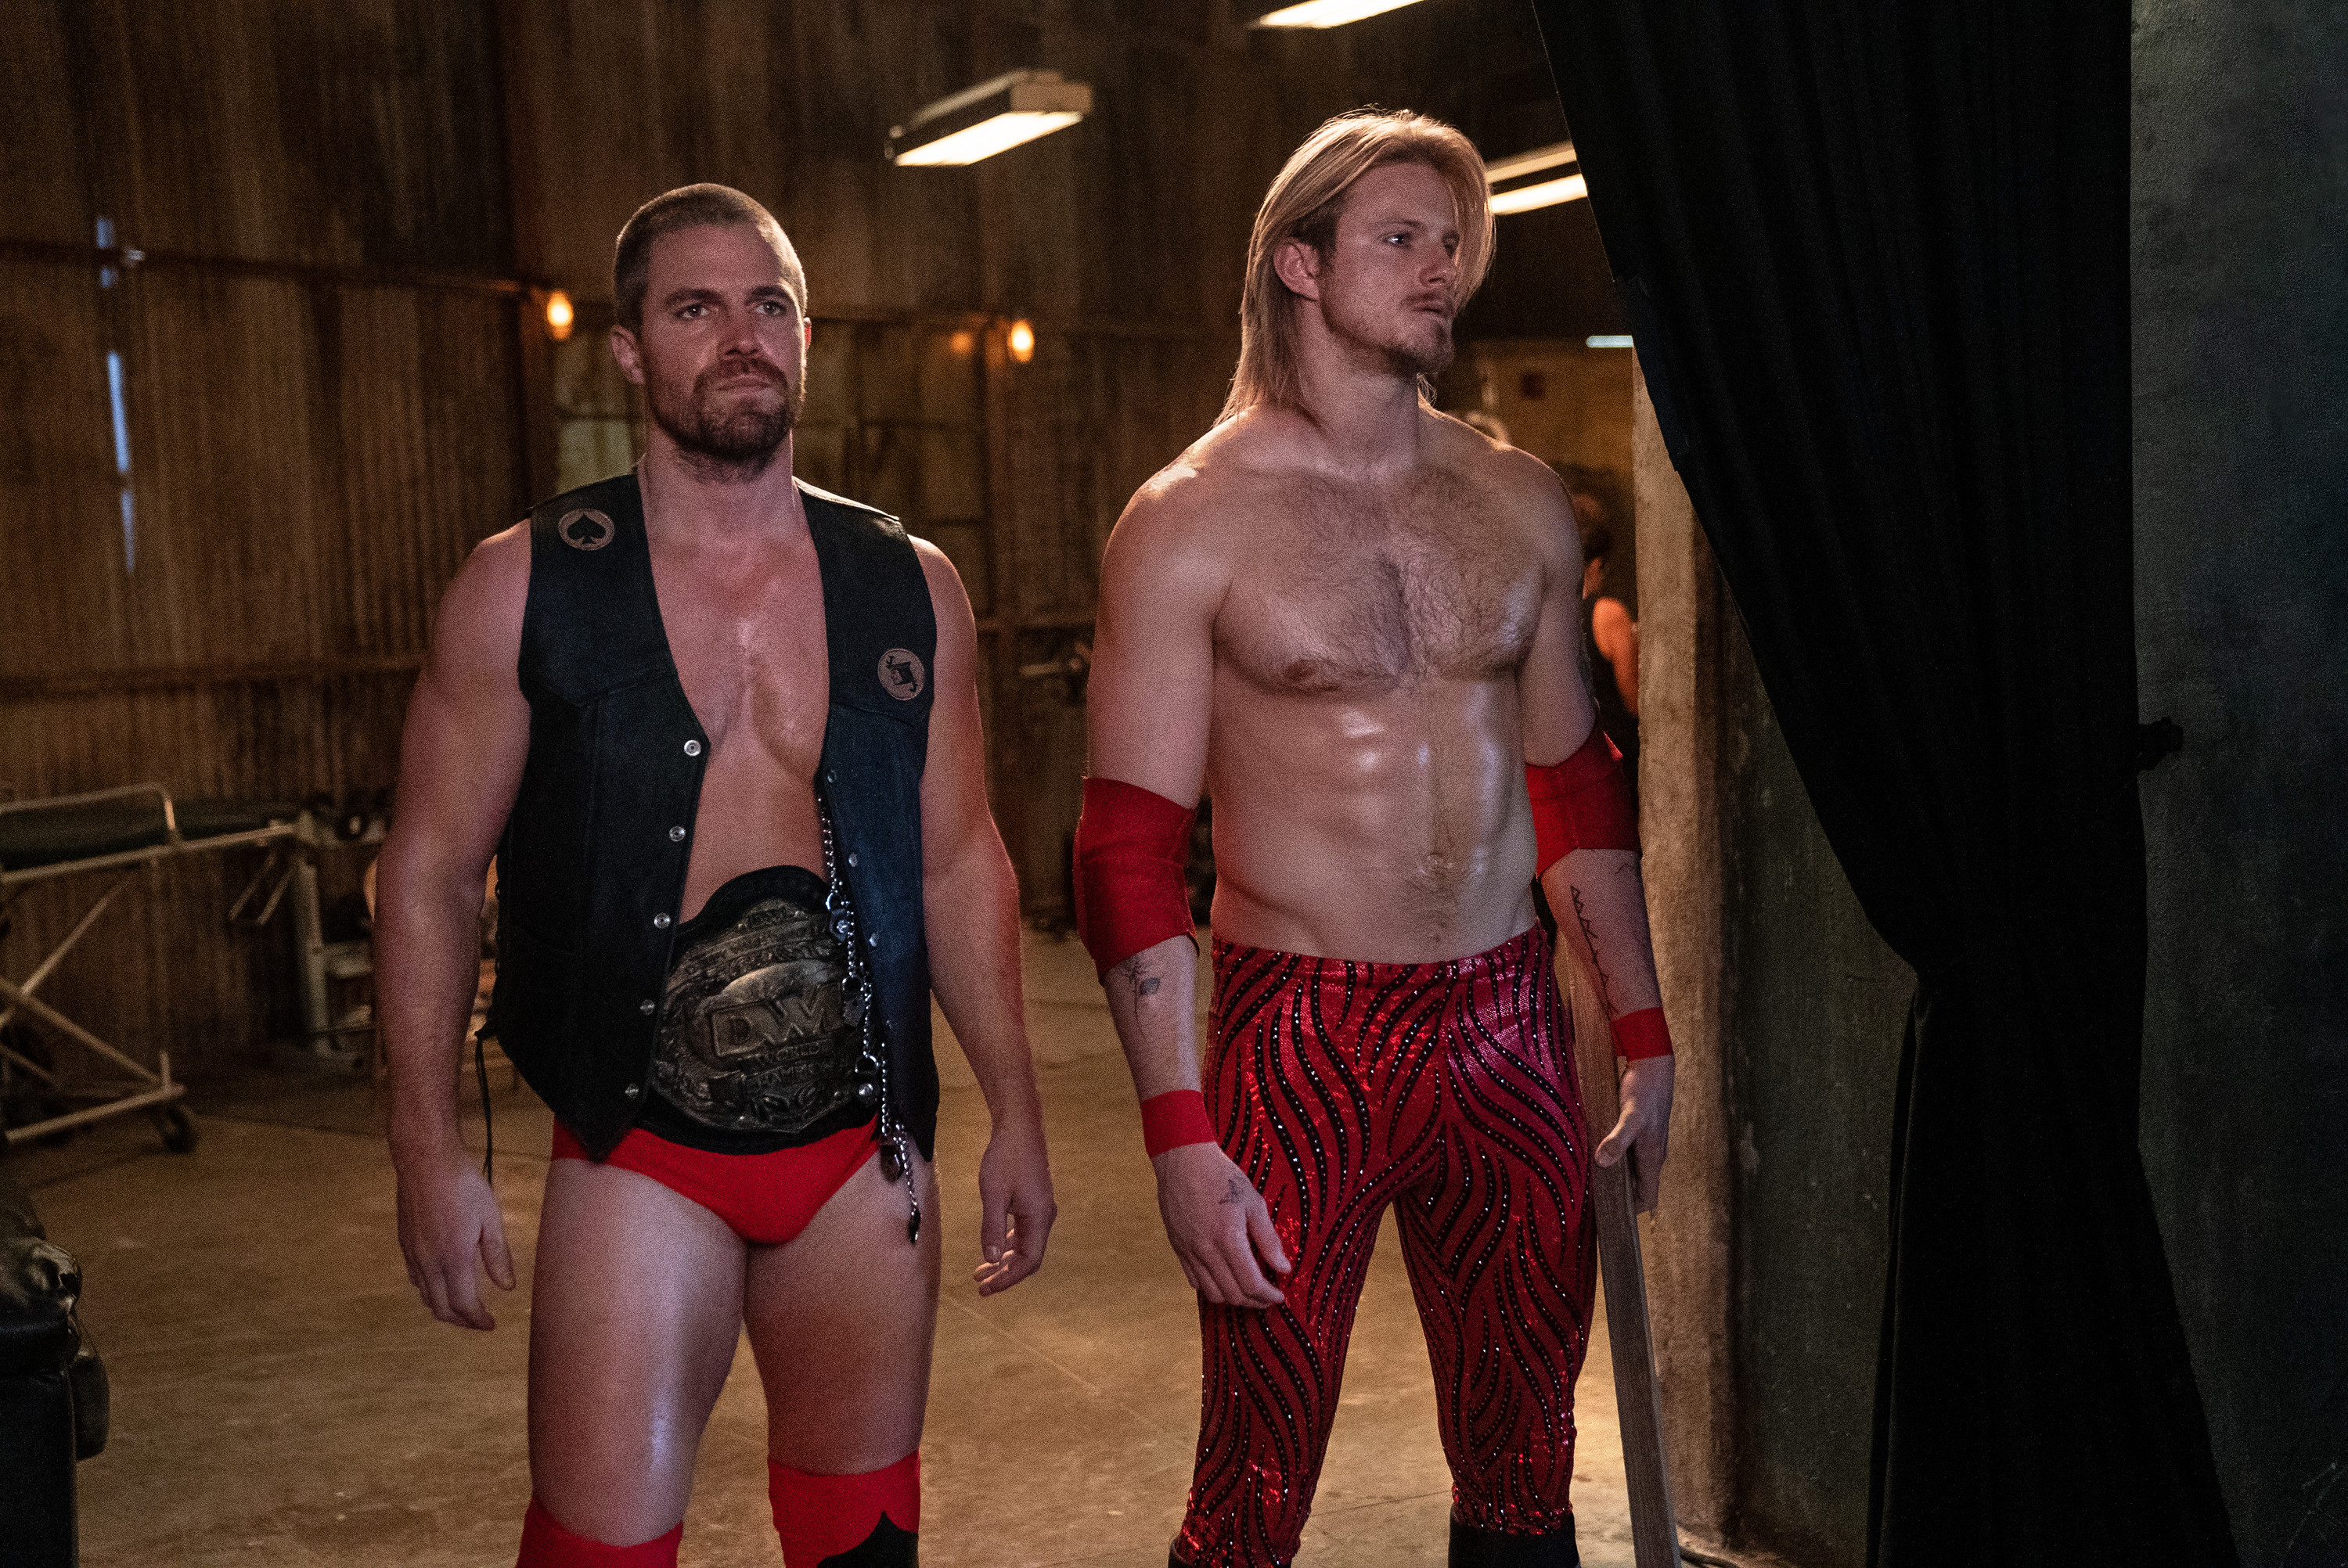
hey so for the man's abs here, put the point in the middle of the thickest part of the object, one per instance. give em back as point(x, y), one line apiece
point(756, 811)
point(1389, 828)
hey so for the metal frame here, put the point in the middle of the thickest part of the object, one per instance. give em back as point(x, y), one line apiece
point(146, 1090)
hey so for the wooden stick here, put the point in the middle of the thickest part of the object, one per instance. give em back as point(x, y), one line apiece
point(1638, 1397)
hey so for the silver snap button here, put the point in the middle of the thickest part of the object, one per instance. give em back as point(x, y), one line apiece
point(660, 922)
point(676, 835)
point(873, 940)
point(692, 748)
point(851, 860)
point(646, 1006)
point(630, 1092)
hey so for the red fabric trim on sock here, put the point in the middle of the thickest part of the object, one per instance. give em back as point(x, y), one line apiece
point(1174, 1119)
point(821, 1516)
point(545, 1543)
point(1642, 1034)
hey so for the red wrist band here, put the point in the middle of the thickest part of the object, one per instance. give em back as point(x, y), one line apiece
point(1131, 846)
point(1177, 1117)
point(1581, 802)
point(1642, 1034)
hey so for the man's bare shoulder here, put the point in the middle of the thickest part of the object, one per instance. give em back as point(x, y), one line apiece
point(1227, 471)
point(949, 600)
point(1182, 516)
point(479, 623)
point(1453, 443)
point(1526, 489)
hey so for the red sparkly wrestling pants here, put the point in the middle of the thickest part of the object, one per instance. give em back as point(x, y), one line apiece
point(1446, 1089)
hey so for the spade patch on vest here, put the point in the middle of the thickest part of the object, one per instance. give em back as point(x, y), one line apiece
point(902, 675)
point(585, 530)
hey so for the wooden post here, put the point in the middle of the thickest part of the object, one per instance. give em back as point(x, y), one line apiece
point(1638, 1397)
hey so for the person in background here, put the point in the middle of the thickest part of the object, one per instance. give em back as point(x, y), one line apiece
point(1610, 640)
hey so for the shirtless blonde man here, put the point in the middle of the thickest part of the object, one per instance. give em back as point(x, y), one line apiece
point(1355, 623)
point(720, 730)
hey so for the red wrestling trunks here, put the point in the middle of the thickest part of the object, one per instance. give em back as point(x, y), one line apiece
point(767, 1199)
point(1446, 1089)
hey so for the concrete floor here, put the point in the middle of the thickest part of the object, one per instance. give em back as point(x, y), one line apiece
point(281, 1397)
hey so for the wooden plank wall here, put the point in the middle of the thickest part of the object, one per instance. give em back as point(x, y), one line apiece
point(335, 384)
point(311, 455)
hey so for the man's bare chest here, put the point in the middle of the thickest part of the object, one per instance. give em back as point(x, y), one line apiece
point(1321, 603)
point(750, 654)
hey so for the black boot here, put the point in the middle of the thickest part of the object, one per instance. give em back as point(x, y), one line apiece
point(886, 1547)
point(1474, 1548)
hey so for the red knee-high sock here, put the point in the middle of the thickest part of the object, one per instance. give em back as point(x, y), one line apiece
point(820, 1517)
point(547, 1544)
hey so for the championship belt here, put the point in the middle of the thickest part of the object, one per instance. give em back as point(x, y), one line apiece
point(763, 1031)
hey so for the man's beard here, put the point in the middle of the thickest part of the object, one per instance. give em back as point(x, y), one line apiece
point(737, 444)
point(1407, 353)
point(1428, 358)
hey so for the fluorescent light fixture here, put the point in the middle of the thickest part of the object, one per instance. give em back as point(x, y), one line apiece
point(1603, 341)
point(1327, 13)
point(1557, 155)
point(1000, 134)
point(1515, 191)
point(1549, 193)
point(991, 118)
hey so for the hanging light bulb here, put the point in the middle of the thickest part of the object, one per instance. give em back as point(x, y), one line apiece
point(1022, 341)
point(559, 316)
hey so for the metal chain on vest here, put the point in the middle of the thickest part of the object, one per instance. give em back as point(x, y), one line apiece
point(840, 908)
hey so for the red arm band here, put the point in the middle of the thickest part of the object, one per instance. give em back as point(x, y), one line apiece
point(1642, 1034)
point(1131, 843)
point(1173, 1119)
point(1581, 802)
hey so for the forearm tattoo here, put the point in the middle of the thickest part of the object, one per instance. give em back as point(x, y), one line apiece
point(1138, 980)
point(1589, 946)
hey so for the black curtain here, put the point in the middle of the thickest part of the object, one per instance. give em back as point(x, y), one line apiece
point(1874, 257)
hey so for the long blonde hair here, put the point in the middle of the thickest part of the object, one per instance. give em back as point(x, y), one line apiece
point(1304, 204)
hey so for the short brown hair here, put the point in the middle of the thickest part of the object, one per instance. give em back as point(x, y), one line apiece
point(1599, 498)
point(1597, 541)
point(690, 207)
point(1304, 202)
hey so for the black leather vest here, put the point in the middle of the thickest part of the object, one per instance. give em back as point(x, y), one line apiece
point(591, 870)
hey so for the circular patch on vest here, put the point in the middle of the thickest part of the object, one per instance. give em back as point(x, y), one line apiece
point(585, 530)
point(902, 675)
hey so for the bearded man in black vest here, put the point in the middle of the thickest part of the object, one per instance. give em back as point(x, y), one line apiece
point(720, 730)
